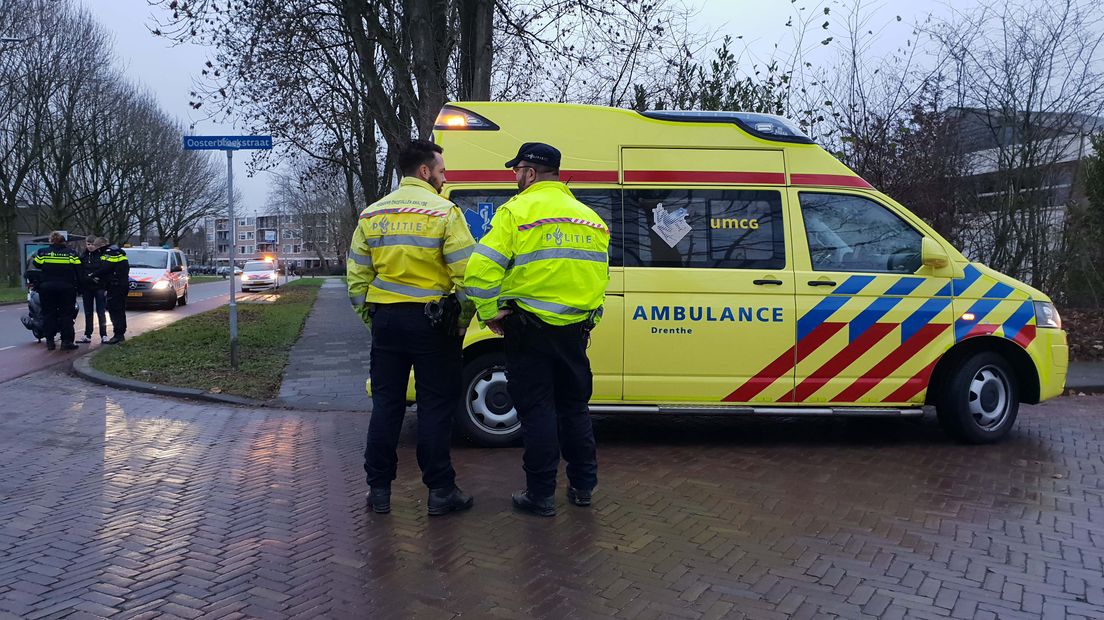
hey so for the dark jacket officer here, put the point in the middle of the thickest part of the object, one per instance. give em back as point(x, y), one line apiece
point(57, 281)
point(114, 272)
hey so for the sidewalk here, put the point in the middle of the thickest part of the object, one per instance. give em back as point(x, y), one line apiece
point(329, 364)
point(1085, 377)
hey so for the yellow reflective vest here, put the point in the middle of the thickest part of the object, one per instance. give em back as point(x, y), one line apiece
point(546, 251)
point(410, 246)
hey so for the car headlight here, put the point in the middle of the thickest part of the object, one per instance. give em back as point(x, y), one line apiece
point(1046, 315)
point(160, 285)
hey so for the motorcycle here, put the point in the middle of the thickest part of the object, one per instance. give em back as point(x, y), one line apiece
point(33, 319)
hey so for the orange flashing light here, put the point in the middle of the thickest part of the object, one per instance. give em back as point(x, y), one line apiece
point(452, 117)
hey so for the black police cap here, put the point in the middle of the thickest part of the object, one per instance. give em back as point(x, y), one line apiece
point(537, 153)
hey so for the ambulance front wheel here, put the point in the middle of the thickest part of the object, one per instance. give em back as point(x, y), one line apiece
point(487, 416)
point(979, 402)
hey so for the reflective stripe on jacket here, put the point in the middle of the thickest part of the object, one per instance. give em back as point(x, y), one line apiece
point(114, 269)
point(410, 246)
point(57, 264)
point(545, 250)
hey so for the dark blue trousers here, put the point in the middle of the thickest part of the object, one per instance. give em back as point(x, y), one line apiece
point(550, 382)
point(402, 337)
point(95, 304)
point(59, 301)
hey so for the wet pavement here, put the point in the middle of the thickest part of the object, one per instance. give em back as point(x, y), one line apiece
point(328, 365)
point(116, 504)
point(21, 354)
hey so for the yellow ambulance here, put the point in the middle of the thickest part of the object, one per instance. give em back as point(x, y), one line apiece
point(753, 273)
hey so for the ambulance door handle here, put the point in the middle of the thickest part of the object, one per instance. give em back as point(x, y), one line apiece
point(762, 282)
point(821, 283)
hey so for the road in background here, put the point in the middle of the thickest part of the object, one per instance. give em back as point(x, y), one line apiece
point(20, 354)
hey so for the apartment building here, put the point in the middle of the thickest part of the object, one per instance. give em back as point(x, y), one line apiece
point(298, 240)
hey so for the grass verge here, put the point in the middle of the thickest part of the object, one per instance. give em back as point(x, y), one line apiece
point(195, 352)
point(9, 294)
point(202, 279)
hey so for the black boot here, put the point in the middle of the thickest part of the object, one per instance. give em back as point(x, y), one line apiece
point(577, 497)
point(50, 346)
point(544, 507)
point(444, 501)
point(379, 500)
point(68, 346)
point(116, 340)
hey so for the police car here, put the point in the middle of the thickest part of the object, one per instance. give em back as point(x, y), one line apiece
point(158, 277)
point(753, 273)
point(259, 274)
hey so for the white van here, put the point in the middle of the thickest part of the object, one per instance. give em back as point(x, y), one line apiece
point(158, 277)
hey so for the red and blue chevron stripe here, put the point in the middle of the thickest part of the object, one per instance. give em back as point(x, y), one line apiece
point(867, 330)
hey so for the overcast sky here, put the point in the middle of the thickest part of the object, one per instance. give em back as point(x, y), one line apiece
point(168, 71)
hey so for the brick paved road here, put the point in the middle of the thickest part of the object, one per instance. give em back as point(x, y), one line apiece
point(126, 505)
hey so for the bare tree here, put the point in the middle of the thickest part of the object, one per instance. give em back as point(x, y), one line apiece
point(1030, 92)
point(29, 82)
point(316, 205)
point(348, 82)
point(81, 64)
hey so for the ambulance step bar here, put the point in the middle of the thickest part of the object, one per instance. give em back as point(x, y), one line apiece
point(771, 411)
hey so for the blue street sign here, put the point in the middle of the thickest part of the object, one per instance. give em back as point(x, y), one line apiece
point(227, 143)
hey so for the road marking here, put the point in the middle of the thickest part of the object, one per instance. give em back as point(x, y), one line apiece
point(7, 347)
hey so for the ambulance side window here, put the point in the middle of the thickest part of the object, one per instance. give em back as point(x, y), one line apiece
point(606, 202)
point(853, 233)
point(479, 207)
point(704, 228)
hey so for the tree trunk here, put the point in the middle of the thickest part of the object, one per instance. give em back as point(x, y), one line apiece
point(430, 45)
point(476, 50)
point(9, 248)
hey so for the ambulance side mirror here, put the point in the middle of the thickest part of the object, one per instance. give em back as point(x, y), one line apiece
point(932, 254)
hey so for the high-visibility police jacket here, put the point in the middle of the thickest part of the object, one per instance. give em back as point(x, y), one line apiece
point(56, 265)
point(410, 246)
point(114, 270)
point(546, 251)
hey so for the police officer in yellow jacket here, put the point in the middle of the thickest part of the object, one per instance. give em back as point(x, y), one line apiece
point(409, 251)
point(539, 278)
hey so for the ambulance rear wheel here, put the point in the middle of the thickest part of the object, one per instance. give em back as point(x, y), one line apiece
point(487, 416)
point(980, 400)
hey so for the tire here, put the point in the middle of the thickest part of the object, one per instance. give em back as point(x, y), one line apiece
point(486, 415)
point(183, 301)
point(171, 303)
point(979, 402)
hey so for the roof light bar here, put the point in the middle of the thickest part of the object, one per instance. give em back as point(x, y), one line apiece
point(765, 126)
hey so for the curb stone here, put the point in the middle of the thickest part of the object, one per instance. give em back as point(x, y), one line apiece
point(83, 367)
